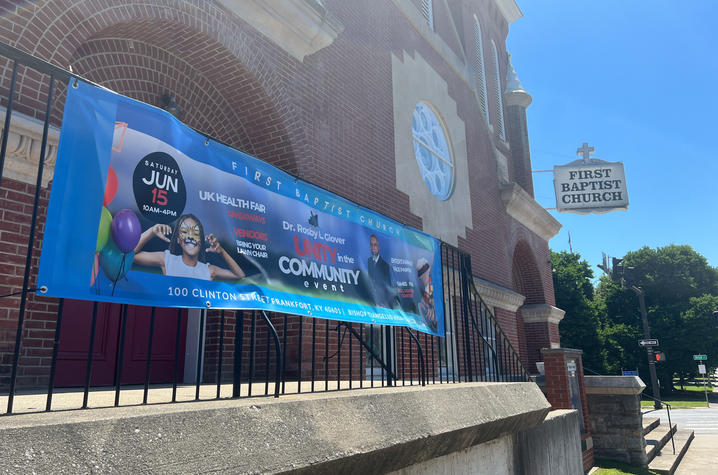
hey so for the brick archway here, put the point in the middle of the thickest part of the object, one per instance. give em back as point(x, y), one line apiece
point(204, 55)
point(232, 83)
point(525, 274)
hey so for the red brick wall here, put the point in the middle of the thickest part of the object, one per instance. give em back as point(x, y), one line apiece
point(16, 200)
point(557, 390)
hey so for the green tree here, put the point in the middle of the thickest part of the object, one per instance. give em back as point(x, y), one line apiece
point(580, 327)
point(679, 286)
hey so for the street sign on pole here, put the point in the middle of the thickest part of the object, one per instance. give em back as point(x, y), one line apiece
point(648, 342)
point(702, 370)
point(700, 357)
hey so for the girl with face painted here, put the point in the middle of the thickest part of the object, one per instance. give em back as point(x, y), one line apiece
point(185, 256)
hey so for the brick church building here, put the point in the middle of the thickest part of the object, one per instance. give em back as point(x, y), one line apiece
point(340, 93)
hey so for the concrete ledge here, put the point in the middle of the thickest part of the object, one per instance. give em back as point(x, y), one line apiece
point(630, 385)
point(364, 431)
point(552, 447)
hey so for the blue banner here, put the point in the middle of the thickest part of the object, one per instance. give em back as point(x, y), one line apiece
point(147, 211)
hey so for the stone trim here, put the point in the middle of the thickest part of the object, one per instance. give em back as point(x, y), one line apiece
point(502, 166)
point(460, 66)
point(497, 296)
point(23, 148)
point(541, 313)
point(509, 10)
point(517, 98)
point(524, 209)
point(299, 27)
point(612, 385)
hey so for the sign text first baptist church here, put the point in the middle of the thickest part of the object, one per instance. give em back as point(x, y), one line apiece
point(590, 185)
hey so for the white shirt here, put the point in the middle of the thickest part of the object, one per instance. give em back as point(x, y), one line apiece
point(176, 268)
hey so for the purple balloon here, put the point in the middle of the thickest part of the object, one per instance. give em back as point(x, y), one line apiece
point(126, 230)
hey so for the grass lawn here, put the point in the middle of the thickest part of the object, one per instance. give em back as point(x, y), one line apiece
point(677, 404)
point(611, 467)
point(692, 396)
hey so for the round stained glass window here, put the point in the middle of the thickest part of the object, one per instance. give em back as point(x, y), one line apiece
point(431, 149)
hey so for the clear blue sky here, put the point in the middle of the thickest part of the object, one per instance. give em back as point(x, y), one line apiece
point(638, 80)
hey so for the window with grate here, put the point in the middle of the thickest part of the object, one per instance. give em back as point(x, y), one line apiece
point(427, 10)
point(479, 69)
point(432, 151)
point(499, 100)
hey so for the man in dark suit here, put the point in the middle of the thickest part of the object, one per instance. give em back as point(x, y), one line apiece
point(379, 275)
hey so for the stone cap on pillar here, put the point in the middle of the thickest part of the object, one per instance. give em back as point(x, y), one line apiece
point(565, 351)
point(628, 385)
point(541, 313)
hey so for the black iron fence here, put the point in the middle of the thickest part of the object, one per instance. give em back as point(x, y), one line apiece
point(236, 353)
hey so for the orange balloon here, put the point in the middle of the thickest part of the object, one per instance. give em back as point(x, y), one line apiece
point(111, 187)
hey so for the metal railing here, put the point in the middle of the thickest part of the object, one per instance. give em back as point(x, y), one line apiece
point(668, 411)
point(251, 353)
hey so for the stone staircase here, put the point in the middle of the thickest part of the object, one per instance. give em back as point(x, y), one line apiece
point(659, 448)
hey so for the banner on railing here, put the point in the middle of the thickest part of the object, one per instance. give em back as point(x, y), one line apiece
point(147, 211)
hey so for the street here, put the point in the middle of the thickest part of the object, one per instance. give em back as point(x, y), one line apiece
point(702, 420)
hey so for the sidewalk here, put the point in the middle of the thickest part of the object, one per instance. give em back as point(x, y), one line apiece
point(701, 457)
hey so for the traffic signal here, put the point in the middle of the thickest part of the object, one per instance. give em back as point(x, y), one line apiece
point(659, 357)
point(617, 269)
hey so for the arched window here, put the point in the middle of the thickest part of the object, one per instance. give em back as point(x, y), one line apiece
point(427, 10)
point(432, 151)
point(499, 100)
point(479, 69)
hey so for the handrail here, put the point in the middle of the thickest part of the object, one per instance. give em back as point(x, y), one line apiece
point(668, 411)
point(390, 374)
point(278, 376)
point(495, 324)
point(422, 365)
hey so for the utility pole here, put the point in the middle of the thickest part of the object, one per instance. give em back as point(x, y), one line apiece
point(617, 272)
point(649, 349)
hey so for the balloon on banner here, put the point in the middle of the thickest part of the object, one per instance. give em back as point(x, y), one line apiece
point(115, 263)
point(110, 187)
point(126, 230)
point(103, 232)
point(95, 269)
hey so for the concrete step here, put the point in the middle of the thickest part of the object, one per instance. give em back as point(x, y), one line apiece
point(656, 439)
point(650, 423)
point(665, 462)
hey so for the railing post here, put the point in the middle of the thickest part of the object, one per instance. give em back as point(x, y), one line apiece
point(465, 314)
point(422, 365)
point(33, 222)
point(278, 376)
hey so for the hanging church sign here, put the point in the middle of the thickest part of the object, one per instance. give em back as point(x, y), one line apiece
point(590, 185)
point(147, 211)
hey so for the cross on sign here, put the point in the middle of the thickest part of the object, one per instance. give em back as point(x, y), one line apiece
point(585, 150)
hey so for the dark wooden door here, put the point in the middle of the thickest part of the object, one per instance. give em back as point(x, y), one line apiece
point(75, 340)
point(163, 345)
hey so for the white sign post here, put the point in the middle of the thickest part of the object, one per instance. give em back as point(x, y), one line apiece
point(702, 370)
point(590, 185)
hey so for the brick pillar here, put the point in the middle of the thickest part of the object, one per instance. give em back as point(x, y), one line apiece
point(562, 366)
point(541, 329)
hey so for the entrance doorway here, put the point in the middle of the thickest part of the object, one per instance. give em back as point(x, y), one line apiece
point(74, 344)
